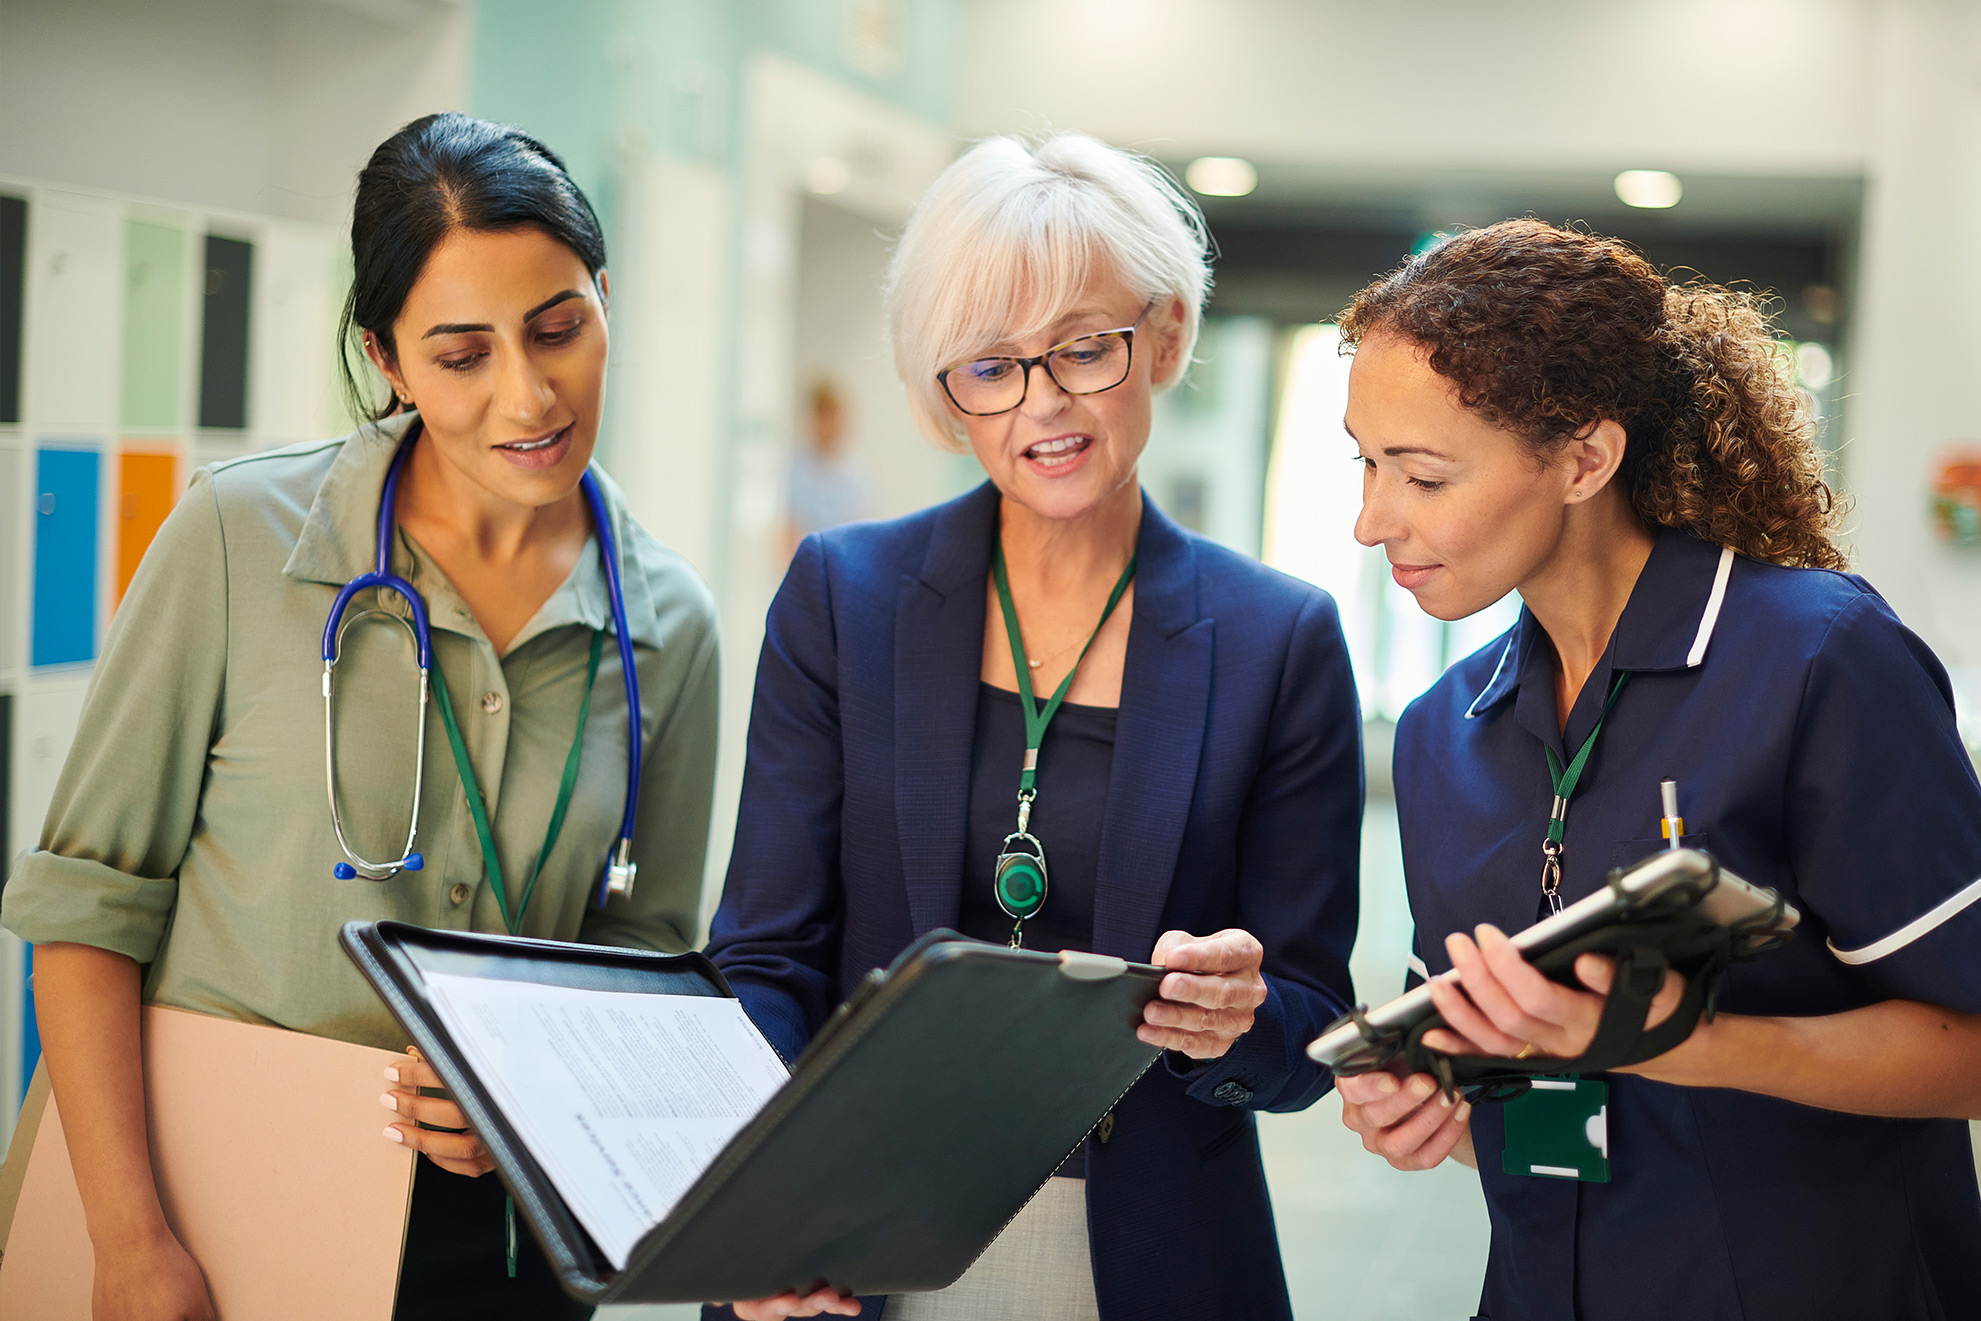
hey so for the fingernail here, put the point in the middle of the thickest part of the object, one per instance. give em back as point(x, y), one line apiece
point(1386, 1085)
point(1464, 1111)
point(1487, 933)
point(389, 1101)
point(1421, 1087)
point(1444, 1100)
point(395, 1135)
point(391, 1073)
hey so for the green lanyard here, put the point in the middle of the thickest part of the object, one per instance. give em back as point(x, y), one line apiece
point(1019, 880)
point(1565, 781)
point(491, 865)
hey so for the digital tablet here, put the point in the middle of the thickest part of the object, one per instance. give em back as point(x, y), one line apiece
point(1663, 882)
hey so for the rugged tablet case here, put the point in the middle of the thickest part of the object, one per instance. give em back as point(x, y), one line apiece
point(919, 1121)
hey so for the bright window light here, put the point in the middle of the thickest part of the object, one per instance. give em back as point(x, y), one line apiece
point(1652, 189)
point(1813, 365)
point(1313, 493)
point(1221, 176)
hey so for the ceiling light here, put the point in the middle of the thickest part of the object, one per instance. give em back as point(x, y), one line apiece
point(1221, 176)
point(827, 175)
point(1655, 189)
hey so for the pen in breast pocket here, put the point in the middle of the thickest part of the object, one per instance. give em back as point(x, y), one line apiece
point(1674, 824)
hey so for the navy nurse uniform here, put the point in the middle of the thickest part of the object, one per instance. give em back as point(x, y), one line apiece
point(1812, 737)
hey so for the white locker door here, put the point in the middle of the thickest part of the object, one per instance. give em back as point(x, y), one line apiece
point(294, 326)
point(14, 552)
point(74, 277)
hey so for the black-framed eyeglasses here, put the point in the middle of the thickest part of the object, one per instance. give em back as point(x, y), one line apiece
point(985, 387)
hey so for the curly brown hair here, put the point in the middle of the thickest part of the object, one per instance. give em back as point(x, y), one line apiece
point(1546, 331)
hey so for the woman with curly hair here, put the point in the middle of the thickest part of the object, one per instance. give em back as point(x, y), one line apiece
point(1540, 410)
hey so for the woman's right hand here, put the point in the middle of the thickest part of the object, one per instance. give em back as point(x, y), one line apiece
point(1409, 1122)
point(820, 1302)
point(152, 1280)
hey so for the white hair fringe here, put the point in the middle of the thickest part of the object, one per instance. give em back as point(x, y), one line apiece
point(1006, 239)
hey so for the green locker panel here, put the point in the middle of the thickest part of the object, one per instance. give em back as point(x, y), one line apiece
point(223, 364)
point(13, 262)
point(154, 312)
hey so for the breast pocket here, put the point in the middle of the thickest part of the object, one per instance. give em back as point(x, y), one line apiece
point(1629, 852)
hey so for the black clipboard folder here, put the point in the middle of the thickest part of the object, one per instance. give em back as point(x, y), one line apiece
point(919, 1121)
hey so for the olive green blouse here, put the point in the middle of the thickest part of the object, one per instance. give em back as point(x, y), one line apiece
point(190, 828)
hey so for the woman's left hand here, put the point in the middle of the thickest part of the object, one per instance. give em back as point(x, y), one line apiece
point(458, 1151)
point(1510, 1009)
point(1210, 989)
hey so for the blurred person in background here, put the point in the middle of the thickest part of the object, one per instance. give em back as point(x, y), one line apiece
point(1540, 410)
point(1198, 794)
point(187, 858)
point(825, 487)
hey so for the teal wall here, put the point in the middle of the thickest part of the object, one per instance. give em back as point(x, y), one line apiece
point(594, 77)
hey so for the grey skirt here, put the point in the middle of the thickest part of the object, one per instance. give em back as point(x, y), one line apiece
point(1039, 1268)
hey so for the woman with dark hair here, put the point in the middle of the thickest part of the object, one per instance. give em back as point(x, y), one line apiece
point(188, 856)
point(1541, 411)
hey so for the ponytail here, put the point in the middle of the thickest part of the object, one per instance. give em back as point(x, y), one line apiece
point(1546, 331)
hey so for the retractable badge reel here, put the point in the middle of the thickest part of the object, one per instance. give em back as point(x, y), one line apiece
point(1020, 877)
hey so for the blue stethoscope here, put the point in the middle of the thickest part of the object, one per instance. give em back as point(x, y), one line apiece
point(620, 869)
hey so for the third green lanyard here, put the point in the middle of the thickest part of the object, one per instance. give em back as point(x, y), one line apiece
point(1566, 778)
point(1019, 880)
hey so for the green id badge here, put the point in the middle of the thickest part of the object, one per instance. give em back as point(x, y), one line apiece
point(1559, 1129)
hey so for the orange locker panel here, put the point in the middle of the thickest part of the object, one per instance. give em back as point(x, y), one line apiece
point(147, 488)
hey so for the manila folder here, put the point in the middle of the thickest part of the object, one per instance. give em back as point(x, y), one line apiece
point(268, 1150)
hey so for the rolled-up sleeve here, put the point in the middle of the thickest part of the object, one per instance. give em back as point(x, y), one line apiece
point(127, 801)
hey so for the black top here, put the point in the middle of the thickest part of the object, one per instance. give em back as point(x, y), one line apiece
point(1075, 763)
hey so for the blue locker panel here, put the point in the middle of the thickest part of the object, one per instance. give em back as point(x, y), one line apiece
point(65, 514)
point(30, 1034)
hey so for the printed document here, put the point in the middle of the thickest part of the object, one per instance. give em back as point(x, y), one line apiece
point(623, 1098)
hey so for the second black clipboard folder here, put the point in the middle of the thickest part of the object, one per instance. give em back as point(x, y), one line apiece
point(918, 1122)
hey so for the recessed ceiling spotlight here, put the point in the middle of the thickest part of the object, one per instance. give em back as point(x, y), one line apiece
point(1653, 189)
point(1221, 176)
point(826, 175)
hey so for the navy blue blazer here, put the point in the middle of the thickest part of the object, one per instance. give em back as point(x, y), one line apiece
point(1235, 801)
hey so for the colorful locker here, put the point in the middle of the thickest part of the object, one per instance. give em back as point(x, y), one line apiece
point(223, 366)
point(75, 274)
point(154, 315)
point(13, 257)
point(147, 488)
point(65, 535)
point(12, 563)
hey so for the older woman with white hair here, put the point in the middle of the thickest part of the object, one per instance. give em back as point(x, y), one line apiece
point(1184, 717)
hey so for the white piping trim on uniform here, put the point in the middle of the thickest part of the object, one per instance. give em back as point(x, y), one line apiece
point(1473, 710)
point(1712, 615)
point(1416, 965)
point(1910, 932)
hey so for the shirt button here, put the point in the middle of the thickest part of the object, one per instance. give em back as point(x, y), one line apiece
point(491, 702)
point(459, 894)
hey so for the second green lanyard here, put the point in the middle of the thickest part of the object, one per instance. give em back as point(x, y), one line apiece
point(491, 864)
point(1019, 880)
